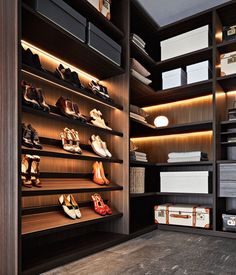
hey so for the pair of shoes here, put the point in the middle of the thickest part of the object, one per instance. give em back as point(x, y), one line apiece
point(99, 146)
point(70, 109)
point(30, 137)
point(30, 59)
point(97, 119)
point(70, 141)
point(34, 96)
point(99, 176)
point(70, 206)
point(99, 206)
point(99, 90)
point(68, 76)
point(30, 171)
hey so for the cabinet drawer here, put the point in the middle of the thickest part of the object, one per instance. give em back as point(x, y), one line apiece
point(227, 189)
point(228, 172)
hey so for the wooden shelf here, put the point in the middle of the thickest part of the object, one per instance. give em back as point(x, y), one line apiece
point(94, 16)
point(55, 114)
point(78, 53)
point(141, 195)
point(58, 152)
point(148, 125)
point(142, 57)
point(150, 97)
point(51, 222)
point(60, 253)
point(141, 163)
point(227, 46)
point(228, 122)
point(67, 186)
point(184, 60)
point(233, 133)
point(140, 130)
point(49, 77)
point(183, 194)
point(228, 83)
point(228, 144)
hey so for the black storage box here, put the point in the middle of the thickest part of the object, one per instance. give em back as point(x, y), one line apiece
point(103, 44)
point(62, 15)
point(229, 221)
point(229, 33)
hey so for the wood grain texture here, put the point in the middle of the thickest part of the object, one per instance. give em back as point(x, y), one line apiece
point(9, 137)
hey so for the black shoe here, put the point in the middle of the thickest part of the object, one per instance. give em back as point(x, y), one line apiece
point(26, 136)
point(62, 73)
point(75, 80)
point(34, 137)
point(30, 59)
point(41, 100)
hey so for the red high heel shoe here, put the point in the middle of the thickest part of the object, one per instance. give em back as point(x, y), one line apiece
point(104, 206)
point(98, 205)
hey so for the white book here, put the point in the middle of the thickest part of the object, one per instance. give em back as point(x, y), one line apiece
point(190, 159)
point(186, 154)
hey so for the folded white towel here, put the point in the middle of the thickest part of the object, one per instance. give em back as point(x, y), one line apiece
point(186, 154)
point(138, 39)
point(143, 79)
point(187, 159)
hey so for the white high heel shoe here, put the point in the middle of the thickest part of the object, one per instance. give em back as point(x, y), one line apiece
point(104, 146)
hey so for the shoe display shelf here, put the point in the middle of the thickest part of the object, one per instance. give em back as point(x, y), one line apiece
point(44, 226)
point(198, 120)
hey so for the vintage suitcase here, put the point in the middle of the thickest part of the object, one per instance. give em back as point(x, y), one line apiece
point(183, 214)
point(229, 33)
point(228, 63)
point(103, 6)
point(62, 15)
point(229, 221)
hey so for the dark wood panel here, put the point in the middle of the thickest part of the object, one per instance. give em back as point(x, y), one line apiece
point(9, 201)
point(38, 224)
point(78, 53)
point(228, 83)
point(226, 46)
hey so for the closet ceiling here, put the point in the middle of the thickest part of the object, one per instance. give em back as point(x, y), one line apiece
point(168, 11)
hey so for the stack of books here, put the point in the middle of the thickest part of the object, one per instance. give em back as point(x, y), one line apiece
point(187, 156)
point(138, 156)
point(140, 72)
point(138, 113)
point(138, 41)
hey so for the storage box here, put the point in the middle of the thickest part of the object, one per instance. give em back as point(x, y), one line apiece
point(183, 214)
point(229, 221)
point(103, 44)
point(228, 63)
point(62, 15)
point(232, 114)
point(137, 180)
point(227, 180)
point(173, 78)
point(185, 182)
point(103, 6)
point(185, 43)
point(229, 33)
point(198, 72)
point(231, 153)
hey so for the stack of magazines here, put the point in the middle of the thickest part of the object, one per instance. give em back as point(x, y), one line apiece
point(138, 156)
point(138, 41)
point(140, 72)
point(187, 156)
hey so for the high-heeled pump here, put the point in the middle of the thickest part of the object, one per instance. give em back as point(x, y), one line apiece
point(102, 173)
point(67, 207)
point(75, 205)
point(98, 206)
point(76, 141)
point(97, 176)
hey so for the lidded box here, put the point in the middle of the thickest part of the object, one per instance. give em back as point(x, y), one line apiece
point(173, 78)
point(187, 42)
point(228, 63)
point(183, 214)
point(198, 72)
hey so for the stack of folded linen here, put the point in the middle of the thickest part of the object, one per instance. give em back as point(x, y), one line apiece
point(138, 41)
point(138, 156)
point(138, 114)
point(139, 72)
point(187, 156)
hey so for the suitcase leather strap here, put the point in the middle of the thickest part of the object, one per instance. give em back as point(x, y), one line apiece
point(194, 216)
point(179, 216)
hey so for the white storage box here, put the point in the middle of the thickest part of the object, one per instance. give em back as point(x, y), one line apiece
point(185, 43)
point(185, 182)
point(228, 63)
point(103, 6)
point(198, 72)
point(173, 78)
point(183, 214)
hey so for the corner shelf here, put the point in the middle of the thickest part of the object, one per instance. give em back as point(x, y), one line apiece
point(135, 163)
point(78, 53)
point(50, 222)
point(139, 130)
point(141, 195)
point(49, 77)
point(53, 186)
point(92, 15)
point(55, 114)
point(227, 46)
point(186, 59)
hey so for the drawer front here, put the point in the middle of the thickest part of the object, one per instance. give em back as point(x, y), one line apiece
point(228, 172)
point(228, 189)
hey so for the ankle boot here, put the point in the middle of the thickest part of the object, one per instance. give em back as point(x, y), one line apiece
point(26, 136)
point(29, 95)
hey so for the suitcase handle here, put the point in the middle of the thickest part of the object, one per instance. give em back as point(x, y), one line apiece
point(179, 216)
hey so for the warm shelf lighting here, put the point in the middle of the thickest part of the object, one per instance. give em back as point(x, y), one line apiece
point(219, 36)
point(47, 55)
point(231, 93)
point(178, 103)
point(176, 136)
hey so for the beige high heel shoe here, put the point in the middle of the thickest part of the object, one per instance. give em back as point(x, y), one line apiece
point(76, 138)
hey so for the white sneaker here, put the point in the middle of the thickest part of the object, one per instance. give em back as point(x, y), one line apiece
point(97, 147)
point(73, 202)
point(67, 207)
point(104, 146)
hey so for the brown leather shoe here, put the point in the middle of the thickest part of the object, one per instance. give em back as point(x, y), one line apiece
point(66, 107)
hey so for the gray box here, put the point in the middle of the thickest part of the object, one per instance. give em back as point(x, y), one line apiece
point(103, 44)
point(62, 15)
point(231, 153)
point(227, 180)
